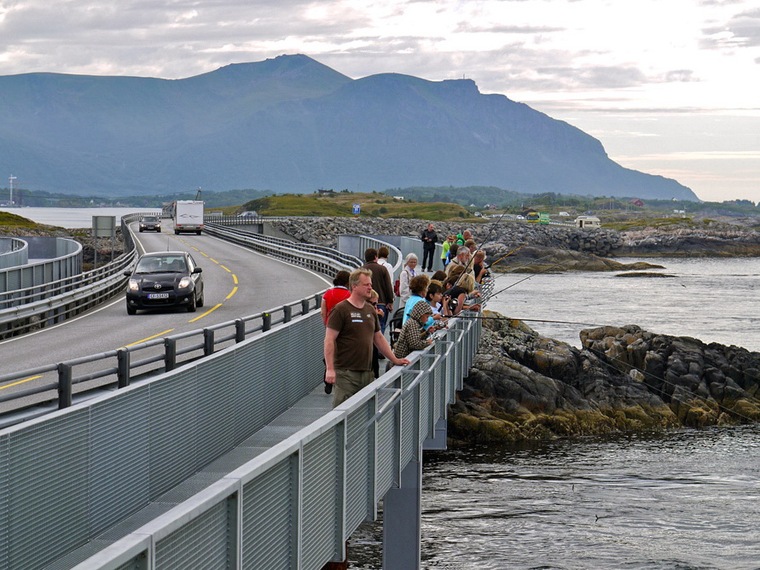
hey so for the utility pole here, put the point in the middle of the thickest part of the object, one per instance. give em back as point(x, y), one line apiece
point(11, 178)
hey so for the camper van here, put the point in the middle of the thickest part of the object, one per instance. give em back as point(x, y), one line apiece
point(588, 222)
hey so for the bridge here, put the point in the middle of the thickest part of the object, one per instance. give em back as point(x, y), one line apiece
point(230, 459)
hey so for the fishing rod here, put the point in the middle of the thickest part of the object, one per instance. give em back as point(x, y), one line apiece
point(490, 318)
point(484, 240)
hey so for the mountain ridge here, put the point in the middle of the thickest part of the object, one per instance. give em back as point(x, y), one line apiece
point(292, 124)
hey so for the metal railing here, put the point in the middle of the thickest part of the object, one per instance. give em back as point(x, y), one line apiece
point(81, 378)
point(31, 308)
point(180, 471)
point(170, 426)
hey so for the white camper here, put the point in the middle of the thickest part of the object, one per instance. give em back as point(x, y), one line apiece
point(588, 222)
point(188, 216)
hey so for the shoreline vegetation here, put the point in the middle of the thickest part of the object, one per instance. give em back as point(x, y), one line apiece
point(523, 387)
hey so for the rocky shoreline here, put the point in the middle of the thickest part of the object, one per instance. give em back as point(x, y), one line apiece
point(525, 387)
point(518, 244)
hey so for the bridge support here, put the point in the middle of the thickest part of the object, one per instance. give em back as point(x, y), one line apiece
point(402, 511)
point(438, 441)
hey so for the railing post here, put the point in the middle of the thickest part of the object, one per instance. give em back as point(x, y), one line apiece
point(208, 342)
point(266, 322)
point(304, 306)
point(64, 385)
point(122, 365)
point(287, 313)
point(170, 354)
point(239, 330)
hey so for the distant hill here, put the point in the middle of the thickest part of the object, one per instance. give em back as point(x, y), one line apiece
point(291, 124)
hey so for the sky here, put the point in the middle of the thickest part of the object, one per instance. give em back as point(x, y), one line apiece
point(670, 87)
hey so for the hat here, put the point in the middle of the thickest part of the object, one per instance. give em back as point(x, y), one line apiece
point(420, 309)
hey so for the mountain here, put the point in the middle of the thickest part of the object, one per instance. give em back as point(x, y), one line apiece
point(291, 124)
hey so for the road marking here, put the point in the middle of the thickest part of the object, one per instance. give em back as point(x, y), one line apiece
point(20, 382)
point(211, 310)
point(234, 279)
point(228, 297)
point(225, 268)
point(149, 338)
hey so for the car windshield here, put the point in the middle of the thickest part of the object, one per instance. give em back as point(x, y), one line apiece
point(149, 219)
point(161, 264)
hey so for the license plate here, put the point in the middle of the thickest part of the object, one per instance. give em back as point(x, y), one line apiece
point(158, 295)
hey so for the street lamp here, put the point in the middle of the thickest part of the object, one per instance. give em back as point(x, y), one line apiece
point(11, 178)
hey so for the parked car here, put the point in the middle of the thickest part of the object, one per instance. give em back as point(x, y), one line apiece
point(165, 279)
point(150, 223)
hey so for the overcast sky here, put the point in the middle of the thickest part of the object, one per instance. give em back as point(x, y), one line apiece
point(670, 87)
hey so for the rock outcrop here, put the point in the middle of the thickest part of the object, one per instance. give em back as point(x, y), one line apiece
point(523, 386)
point(502, 237)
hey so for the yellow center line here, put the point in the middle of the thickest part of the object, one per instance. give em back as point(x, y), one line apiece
point(167, 331)
point(20, 382)
point(234, 279)
point(211, 310)
point(228, 297)
point(213, 260)
point(225, 268)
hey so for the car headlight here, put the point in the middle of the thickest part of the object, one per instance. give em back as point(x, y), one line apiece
point(185, 283)
point(133, 285)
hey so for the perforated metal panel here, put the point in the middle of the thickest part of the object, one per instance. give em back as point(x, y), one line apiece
point(215, 402)
point(269, 525)
point(409, 427)
point(4, 501)
point(205, 543)
point(359, 467)
point(386, 453)
point(120, 458)
point(252, 411)
point(304, 357)
point(48, 483)
point(172, 431)
point(321, 508)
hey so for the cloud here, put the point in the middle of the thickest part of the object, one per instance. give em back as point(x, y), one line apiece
point(742, 30)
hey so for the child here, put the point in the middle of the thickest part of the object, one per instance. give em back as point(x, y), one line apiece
point(413, 334)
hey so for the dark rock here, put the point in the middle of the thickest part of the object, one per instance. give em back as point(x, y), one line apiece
point(523, 386)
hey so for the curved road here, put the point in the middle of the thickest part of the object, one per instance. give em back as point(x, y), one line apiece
point(238, 282)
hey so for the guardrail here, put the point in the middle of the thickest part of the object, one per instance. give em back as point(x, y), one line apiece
point(322, 482)
point(84, 377)
point(13, 252)
point(34, 307)
point(318, 258)
point(171, 473)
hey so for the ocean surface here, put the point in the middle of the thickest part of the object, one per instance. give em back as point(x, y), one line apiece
point(72, 217)
point(685, 500)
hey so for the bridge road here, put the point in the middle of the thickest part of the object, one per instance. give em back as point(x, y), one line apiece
point(238, 282)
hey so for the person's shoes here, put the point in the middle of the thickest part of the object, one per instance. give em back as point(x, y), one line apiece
point(328, 388)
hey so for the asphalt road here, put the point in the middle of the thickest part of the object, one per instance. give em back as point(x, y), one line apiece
point(238, 282)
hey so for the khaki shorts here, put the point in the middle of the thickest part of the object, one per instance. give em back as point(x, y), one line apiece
point(349, 382)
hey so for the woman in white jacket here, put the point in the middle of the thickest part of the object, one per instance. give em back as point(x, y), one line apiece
point(407, 272)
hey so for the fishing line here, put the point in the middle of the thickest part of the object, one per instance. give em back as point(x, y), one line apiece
point(605, 359)
point(662, 392)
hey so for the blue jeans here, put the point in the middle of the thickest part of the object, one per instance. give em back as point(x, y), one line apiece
point(384, 318)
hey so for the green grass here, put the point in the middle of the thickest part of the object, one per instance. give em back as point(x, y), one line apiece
point(341, 204)
point(11, 222)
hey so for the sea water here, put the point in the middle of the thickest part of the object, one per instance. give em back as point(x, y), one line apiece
point(687, 499)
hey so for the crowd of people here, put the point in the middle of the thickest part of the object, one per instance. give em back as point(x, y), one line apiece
point(359, 306)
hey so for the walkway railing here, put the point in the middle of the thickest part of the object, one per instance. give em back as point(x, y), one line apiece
point(143, 452)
